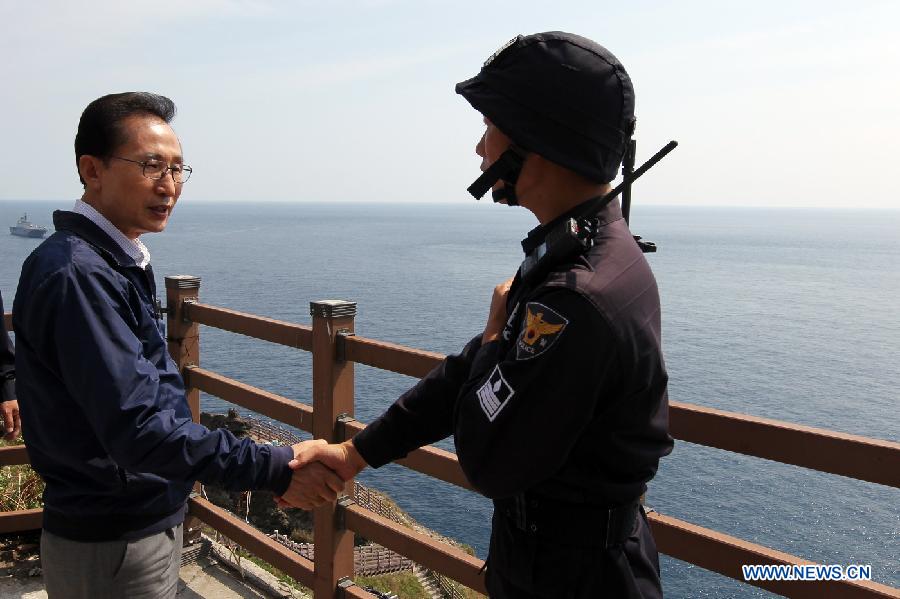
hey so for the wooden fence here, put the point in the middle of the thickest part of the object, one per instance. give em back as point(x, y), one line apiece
point(336, 348)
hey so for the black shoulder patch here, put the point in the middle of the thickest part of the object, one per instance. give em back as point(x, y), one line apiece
point(540, 330)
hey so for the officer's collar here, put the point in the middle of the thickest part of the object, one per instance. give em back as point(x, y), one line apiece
point(536, 236)
point(85, 228)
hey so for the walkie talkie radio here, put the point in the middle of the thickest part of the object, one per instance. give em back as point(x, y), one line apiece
point(628, 177)
point(576, 234)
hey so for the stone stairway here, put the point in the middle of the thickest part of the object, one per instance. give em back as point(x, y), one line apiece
point(428, 582)
point(368, 560)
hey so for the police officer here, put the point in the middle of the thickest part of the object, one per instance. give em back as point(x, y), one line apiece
point(559, 408)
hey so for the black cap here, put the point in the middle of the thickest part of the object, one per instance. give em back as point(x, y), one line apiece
point(561, 96)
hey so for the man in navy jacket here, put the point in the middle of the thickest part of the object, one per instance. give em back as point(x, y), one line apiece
point(104, 411)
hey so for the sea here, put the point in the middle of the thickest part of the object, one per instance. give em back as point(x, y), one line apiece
point(791, 314)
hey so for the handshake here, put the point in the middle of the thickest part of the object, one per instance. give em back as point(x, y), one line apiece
point(320, 473)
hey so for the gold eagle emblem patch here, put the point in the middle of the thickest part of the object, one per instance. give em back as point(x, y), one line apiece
point(542, 326)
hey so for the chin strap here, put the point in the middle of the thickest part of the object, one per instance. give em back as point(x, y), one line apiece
point(507, 192)
point(507, 168)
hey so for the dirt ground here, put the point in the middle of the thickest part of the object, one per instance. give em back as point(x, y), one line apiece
point(20, 554)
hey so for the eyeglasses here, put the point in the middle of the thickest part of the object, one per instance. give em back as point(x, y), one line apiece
point(156, 170)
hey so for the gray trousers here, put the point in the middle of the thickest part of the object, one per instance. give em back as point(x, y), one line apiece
point(143, 568)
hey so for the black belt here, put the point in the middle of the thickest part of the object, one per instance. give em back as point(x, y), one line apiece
point(567, 521)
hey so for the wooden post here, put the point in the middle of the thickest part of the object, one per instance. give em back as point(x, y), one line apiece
point(183, 339)
point(332, 397)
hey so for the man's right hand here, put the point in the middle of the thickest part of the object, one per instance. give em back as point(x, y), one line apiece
point(311, 487)
point(497, 315)
point(320, 473)
point(340, 457)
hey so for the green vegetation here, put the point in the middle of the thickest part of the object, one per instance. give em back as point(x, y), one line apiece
point(469, 593)
point(403, 584)
point(281, 576)
point(20, 486)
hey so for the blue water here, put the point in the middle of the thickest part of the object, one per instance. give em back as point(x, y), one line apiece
point(786, 314)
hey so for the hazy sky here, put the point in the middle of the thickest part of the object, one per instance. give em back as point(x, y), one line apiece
point(773, 103)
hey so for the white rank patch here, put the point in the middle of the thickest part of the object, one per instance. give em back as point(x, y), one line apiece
point(494, 394)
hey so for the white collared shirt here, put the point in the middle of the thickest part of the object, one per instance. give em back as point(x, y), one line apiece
point(133, 247)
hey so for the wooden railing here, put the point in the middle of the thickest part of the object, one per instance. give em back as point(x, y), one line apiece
point(335, 349)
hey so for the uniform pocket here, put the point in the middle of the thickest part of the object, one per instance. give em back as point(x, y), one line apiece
point(123, 478)
point(122, 560)
point(511, 553)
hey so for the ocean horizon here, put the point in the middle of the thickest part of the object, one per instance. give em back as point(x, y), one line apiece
point(64, 204)
point(783, 313)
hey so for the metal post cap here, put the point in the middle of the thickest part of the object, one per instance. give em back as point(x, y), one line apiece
point(332, 308)
point(182, 282)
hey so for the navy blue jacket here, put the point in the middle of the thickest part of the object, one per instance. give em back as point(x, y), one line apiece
point(103, 406)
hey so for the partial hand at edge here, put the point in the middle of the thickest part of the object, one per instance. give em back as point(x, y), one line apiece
point(12, 424)
point(497, 315)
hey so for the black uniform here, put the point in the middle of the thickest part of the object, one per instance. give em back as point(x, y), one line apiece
point(7, 362)
point(562, 422)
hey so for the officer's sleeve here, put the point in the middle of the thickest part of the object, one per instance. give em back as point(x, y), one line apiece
point(7, 362)
point(86, 321)
point(523, 408)
point(421, 416)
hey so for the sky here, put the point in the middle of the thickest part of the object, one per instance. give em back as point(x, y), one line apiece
point(783, 103)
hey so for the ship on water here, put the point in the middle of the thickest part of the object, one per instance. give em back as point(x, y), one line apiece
point(23, 228)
